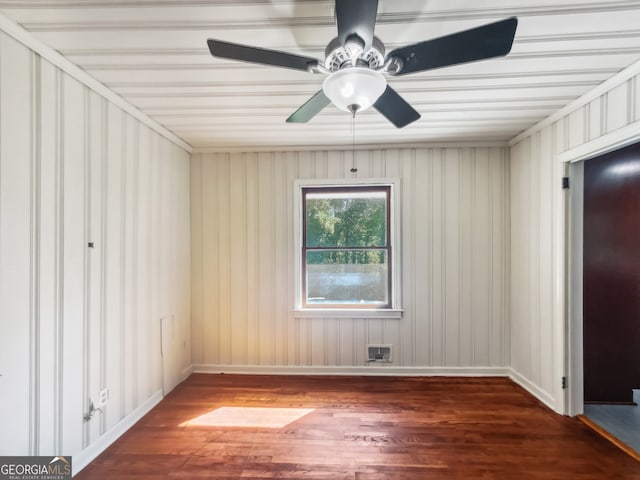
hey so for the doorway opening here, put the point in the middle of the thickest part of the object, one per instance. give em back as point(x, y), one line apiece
point(604, 325)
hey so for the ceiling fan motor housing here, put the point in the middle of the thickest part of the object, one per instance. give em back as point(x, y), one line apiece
point(340, 56)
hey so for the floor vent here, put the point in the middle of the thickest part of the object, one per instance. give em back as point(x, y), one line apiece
point(379, 353)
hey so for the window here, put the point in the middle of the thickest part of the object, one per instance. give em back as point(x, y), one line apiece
point(346, 247)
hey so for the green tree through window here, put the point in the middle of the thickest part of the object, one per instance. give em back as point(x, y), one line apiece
point(346, 246)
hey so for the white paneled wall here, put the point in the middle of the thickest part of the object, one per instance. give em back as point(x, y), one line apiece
point(455, 263)
point(608, 116)
point(76, 169)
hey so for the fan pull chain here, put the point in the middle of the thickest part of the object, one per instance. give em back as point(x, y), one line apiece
point(353, 143)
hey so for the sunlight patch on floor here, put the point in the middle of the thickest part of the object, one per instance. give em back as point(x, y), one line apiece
point(255, 417)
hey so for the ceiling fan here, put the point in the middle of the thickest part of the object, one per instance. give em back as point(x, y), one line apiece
point(356, 64)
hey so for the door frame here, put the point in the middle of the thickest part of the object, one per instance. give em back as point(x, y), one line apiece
point(574, 348)
point(575, 340)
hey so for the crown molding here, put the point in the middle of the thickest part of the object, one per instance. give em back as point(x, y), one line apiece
point(27, 39)
point(606, 86)
point(345, 147)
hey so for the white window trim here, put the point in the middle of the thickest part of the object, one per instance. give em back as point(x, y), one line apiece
point(392, 312)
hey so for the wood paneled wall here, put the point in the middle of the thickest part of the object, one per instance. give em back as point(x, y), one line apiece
point(538, 226)
point(76, 169)
point(455, 263)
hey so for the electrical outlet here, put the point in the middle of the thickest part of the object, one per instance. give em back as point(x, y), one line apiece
point(103, 396)
point(96, 403)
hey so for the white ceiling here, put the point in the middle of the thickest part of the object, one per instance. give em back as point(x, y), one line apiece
point(154, 54)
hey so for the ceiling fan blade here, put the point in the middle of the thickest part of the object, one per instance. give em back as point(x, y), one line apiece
point(310, 109)
point(356, 17)
point(395, 108)
point(488, 41)
point(263, 56)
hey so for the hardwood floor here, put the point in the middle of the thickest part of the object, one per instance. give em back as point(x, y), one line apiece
point(364, 428)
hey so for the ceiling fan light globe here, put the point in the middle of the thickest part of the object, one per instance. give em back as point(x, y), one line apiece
point(354, 86)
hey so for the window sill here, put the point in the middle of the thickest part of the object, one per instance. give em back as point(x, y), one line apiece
point(347, 313)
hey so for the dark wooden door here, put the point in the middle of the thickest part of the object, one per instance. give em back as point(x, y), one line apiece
point(612, 276)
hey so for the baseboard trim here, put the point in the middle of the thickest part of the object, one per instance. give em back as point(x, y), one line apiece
point(377, 370)
point(87, 455)
point(534, 390)
point(186, 373)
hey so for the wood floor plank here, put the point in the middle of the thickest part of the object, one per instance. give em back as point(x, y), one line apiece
point(364, 428)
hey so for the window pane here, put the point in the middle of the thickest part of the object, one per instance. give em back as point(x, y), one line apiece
point(346, 219)
point(347, 277)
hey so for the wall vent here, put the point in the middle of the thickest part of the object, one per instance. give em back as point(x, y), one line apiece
point(379, 353)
